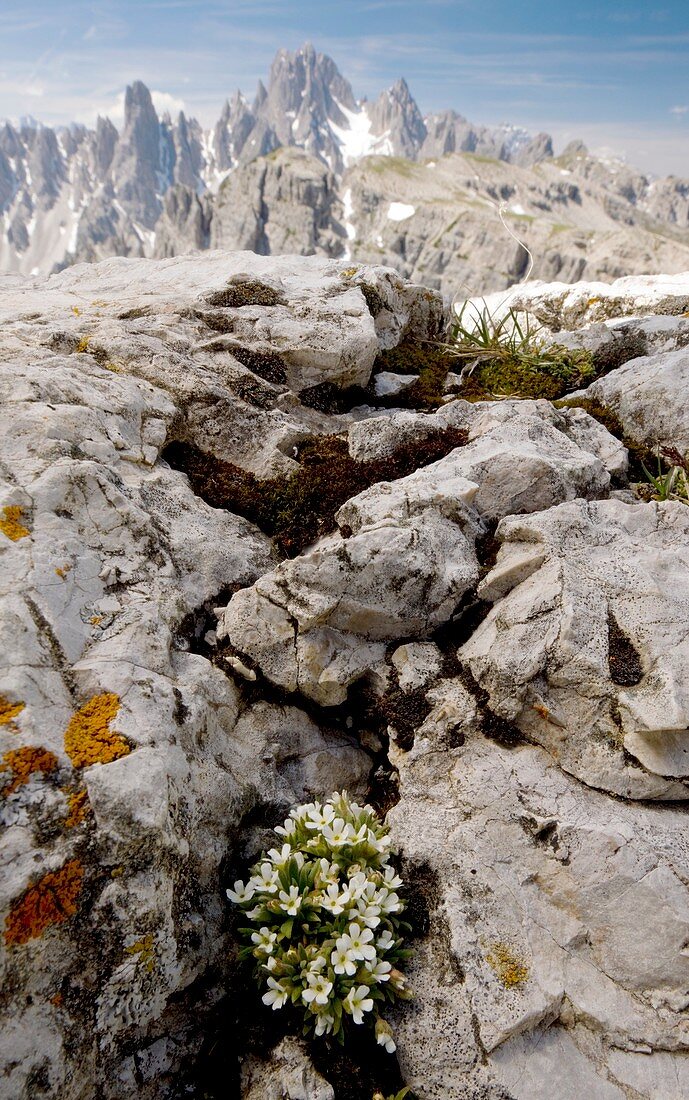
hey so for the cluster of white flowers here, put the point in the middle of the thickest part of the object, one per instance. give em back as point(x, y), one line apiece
point(326, 918)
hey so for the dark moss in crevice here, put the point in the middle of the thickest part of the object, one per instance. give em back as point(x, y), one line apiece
point(297, 509)
point(216, 322)
point(268, 365)
point(135, 314)
point(535, 376)
point(493, 726)
point(248, 292)
point(402, 711)
point(487, 547)
point(422, 893)
point(623, 660)
point(373, 298)
point(326, 397)
point(254, 392)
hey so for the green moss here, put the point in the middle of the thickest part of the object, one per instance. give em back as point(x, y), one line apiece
point(248, 292)
point(295, 510)
point(550, 376)
point(431, 362)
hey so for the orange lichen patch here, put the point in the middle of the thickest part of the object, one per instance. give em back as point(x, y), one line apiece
point(88, 737)
point(8, 712)
point(510, 969)
point(22, 763)
point(83, 345)
point(62, 571)
point(51, 900)
point(96, 620)
point(79, 808)
point(10, 524)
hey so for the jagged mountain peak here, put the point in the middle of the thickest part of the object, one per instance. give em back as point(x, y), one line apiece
point(77, 193)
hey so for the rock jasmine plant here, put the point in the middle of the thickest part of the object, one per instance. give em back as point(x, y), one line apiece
point(326, 932)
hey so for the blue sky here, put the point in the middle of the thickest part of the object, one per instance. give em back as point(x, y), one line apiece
point(615, 72)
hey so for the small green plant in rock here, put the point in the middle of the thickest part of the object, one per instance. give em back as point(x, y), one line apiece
point(326, 932)
point(671, 484)
point(507, 357)
point(397, 1096)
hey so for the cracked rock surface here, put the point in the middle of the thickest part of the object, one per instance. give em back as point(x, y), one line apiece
point(492, 648)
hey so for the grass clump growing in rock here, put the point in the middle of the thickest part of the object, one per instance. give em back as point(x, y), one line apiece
point(671, 484)
point(326, 933)
point(505, 357)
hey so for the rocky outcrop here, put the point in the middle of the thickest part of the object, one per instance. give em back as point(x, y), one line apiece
point(483, 629)
point(285, 203)
point(129, 759)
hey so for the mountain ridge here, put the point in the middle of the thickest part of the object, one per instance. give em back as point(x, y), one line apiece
point(73, 193)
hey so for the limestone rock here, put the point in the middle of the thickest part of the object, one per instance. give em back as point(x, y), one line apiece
point(548, 903)
point(646, 395)
point(288, 1075)
point(586, 644)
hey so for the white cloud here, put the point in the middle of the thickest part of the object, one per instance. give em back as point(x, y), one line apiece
point(163, 101)
point(679, 111)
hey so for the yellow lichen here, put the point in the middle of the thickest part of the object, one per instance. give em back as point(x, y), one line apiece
point(8, 712)
point(51, 900)
point(76, 311)
point(83, 345)
point(62, 571)
point(88, 738)
point(21, 764)
point(79, 808)
point(10, 524)
point(348, 272)
point(510, 969)
point(144, 948)
point(96, 620)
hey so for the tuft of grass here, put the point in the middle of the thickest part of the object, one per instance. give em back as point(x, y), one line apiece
point(672, 484)
point(506, 357)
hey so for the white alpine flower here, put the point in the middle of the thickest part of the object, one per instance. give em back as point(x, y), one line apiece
point(332, 900)
point(343, 960)
point(280, 858)
point(386, 940)
point(266, 880)
point(384, 1035)
point(358, 941)
point(276, 995)
point(290, 903)
point(318, 818)
point(338, 834)
point(241, 893)
point(379, 970)
point(324, 1023)
point(265, 940)
point(357, 1002)
point(318, 991)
